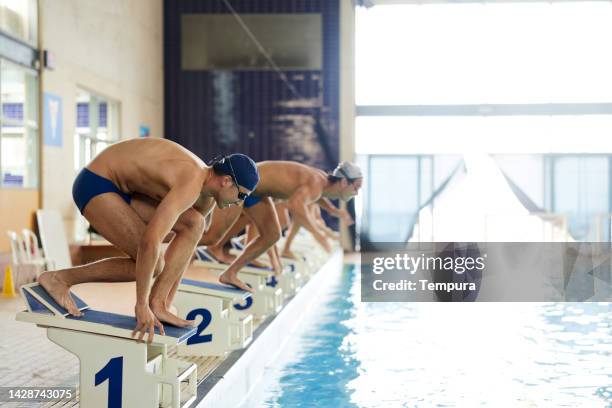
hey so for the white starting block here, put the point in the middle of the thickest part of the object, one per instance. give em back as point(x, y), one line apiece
point(298, 270)
point(290, 281)
point(307, 263)
point(115, 370)
point(294, 274)
point(221, 329)
point(267, 297)
point(306, 244)
point(311, 254)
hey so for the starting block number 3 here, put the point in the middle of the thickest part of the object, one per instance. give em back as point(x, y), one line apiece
point(206, 319)
point(248, 302)
point(113, 372)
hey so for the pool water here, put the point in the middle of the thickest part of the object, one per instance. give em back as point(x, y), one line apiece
point(353, 354)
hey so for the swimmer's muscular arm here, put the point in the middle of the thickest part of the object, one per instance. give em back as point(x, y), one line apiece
point(178, 200)
point(328, 232)
point(204, 206)
point(298, 205)
point(328, 206)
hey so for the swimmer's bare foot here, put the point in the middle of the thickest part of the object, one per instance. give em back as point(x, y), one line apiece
point(59, 291)
point(234, 281)
point(172, 309)
point(166, 316)
point(258, 264)
point(288, 254)
point(221, 255)
point(277, 268)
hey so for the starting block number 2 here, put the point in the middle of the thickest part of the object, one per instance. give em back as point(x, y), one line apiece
point(206, 319)
point(113, 372)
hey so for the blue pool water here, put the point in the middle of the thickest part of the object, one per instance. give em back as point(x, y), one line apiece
point(353, 354)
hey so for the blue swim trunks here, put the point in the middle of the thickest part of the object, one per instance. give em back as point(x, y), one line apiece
point(88, 184)
point(251, 200)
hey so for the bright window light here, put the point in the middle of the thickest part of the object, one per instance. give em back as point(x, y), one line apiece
point(477, 134)
point(484, 53)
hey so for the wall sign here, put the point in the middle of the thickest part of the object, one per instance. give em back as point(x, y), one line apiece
point(144, 131)
point(52, 118)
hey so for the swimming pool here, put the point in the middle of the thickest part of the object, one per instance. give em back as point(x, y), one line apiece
point(352, 354)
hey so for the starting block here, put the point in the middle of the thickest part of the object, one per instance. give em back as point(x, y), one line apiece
point(221, 329)
point(290, 281)
point(267, 297)
point(312, 257)
point(115, 370)
point(305, 244)
point(296, 275)
point(293, 276)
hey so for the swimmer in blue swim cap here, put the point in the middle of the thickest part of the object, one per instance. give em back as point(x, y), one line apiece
point(134, 193)
point(299, 186)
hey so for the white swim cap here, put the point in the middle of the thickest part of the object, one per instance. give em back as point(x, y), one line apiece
point(347, 170)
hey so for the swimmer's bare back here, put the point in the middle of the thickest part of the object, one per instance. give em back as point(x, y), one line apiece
point(280, 179)
point(149, 166)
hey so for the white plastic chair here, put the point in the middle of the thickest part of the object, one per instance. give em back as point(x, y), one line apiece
point(17, 255)
point(20, 256)
point(53, 238)
point(33, 253)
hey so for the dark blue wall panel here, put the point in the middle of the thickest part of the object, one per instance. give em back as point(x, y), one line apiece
point(254, 112)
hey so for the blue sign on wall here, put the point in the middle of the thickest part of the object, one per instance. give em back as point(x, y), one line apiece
point(144, 131)
point(52, 118)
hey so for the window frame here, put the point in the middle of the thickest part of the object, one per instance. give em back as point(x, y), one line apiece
point(83, 138)
point(26, 125)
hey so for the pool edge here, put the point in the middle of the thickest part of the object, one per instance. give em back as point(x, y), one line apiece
point(232, 382)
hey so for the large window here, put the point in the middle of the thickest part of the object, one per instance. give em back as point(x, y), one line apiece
point(97, 126)
point(448, 134)
point(396, 189)
point(19, 130)
point(578, 186)
point(18, 18)
point(512, 77)
point(487, 52)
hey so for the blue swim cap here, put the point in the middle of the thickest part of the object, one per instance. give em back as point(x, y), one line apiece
point(244, 169)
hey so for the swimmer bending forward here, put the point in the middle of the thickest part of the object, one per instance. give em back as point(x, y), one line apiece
point(134, 194)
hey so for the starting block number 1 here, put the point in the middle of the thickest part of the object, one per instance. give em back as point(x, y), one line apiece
point(113, 372)
point(206, 319)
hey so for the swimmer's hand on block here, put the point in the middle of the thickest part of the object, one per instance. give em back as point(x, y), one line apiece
point(44, 311)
